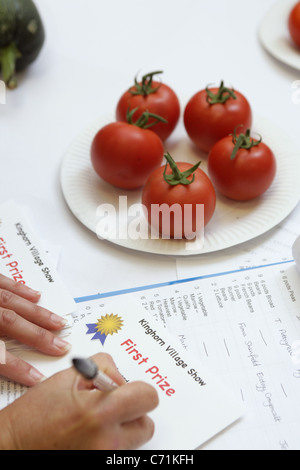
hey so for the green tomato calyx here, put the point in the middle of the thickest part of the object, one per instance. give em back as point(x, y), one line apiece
point(143, 120)
point(223, 94)
point(145, 88)
point(177, 176)
point(243, 141)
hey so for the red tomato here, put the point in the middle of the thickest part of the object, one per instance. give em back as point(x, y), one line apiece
point(124, 155)
point(196, 189)
point(155, 97)
point(241, 173)
point(214, 113)
point(294, 24)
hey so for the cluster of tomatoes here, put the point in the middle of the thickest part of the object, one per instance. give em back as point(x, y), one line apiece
point(129, 152)
point(294, 24)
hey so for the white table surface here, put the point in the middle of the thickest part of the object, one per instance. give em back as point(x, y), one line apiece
point(93, 50)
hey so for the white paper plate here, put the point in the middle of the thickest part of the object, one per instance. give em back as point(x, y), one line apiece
point(232, 223)
point(275, 37)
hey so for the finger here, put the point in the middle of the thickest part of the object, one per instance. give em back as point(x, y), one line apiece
point(107, 365)
point(132, 401)
point(20, 371)
point(19, 289)
point(137, 432)
point(30, 311)
point(14, 326)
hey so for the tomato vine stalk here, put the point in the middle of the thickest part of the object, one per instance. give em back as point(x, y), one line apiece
point(223, 94)
point(243, 141)
point(143, 120)
point(145, 88)
point(177, 176)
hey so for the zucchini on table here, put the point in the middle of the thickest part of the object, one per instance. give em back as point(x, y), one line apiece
point(22, 36)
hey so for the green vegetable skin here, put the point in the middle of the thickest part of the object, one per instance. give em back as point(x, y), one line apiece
point(22, 36)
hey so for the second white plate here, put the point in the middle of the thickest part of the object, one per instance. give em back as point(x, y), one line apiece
point(233, 222)
point(275, 37)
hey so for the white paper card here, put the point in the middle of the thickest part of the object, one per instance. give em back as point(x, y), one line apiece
point(193, 405)
point(24, 259)
point(296, 253)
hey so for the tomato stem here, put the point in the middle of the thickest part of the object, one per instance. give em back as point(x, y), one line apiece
point(223, 94)
point(243, 141)
point(143, 120)
point(177, 176)
point(145, 88)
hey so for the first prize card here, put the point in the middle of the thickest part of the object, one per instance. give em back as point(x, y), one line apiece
point(24, 259)
point(193, 405)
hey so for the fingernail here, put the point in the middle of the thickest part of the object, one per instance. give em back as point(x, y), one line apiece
point(34, 292)
point(61, 344)
point(58, 321)
point(36, 375)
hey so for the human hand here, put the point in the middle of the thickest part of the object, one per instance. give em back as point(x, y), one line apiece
point(22, 319)
point(65, 413)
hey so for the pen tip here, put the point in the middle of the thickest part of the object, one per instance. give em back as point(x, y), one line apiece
point(85, 367)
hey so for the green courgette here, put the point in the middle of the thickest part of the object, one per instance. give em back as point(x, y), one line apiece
point(22, 36)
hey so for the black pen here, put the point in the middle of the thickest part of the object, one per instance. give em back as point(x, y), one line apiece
point(89, 370)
